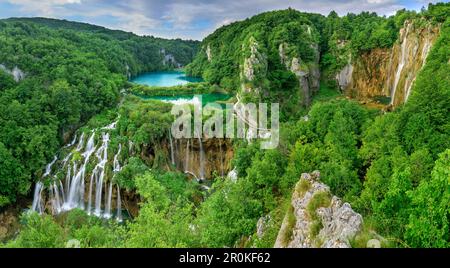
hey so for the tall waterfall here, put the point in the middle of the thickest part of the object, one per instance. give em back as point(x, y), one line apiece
point(186, 160)
point(38, 205)
point(401, 64)
point(69, 193)
point(202, 159)
point(172, 156)
point(48, 169)
point(119, 205)
point(99, 172)
point(75, 197)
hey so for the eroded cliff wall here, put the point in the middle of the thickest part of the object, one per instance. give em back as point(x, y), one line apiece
point(390, 72)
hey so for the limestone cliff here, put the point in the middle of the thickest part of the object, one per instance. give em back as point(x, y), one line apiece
point(316, 219)
point(390, 72)
point(202, 159)
point(307, 73)
point(253, 68)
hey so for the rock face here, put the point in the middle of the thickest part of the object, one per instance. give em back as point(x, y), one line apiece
point(254, 67)
point(169, 59)
point(317, 219)
point(15, 72)
point(390, 72)
point(213, 155)
point(307, 73)
point(9, 223)
point(208, 53)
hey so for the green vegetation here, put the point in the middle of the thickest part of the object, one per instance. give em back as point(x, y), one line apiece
point(189, 89)
point(72, 72)
point(392, 167)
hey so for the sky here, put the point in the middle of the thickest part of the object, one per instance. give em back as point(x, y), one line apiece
point(186, 19)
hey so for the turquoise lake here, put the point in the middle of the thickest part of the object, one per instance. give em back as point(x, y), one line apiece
point(164, 79)
point(176, 78)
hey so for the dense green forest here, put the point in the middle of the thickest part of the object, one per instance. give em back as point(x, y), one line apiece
point(392, 167)
point(73, 71)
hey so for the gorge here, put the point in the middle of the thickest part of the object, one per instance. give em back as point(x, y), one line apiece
point(87, 153)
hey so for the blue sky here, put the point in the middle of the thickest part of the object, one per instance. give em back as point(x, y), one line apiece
point(187, 19)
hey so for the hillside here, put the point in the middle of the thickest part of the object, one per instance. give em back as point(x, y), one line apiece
point(54, 76)
point(363, 154)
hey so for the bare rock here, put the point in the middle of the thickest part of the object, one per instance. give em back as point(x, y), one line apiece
point(333, 224)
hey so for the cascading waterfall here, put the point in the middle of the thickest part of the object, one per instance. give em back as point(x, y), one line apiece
point(102, 156)
point(70, 193)
point(116, 169)
point(72, 143)
point(400, 65)
point(76, 192)
point(172, 156)
point(37, 198)
point(202, 159)
point(186, 160)
point(221, 158)
point(116, 164)
point(48, 169)
point(80, 143)
point(119, 205)
point(108, 202)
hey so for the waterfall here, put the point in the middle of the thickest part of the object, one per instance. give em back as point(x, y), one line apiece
point(64, 162)
point(400, 65)
point(48, 169)
point(116, 164)
point(75, 197)
point(130, 146)
point(37, 198)
point(102, 156)
point(107, 214)
point(202, 159)
point(56, 200)
point(119, 205)
point(172, 156)
point(111, 126)
point(63, 194)
point(221, 158)
point(80, 143)
point(186, 160)
point(72, 143)
point(91, 182)
point(69, 193)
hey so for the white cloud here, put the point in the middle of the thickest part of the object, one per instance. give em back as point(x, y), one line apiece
point(187, 19)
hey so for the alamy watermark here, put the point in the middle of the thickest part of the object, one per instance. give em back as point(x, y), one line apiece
point(237, 121)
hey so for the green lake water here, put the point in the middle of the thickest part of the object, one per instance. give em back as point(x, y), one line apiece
point(175, 78)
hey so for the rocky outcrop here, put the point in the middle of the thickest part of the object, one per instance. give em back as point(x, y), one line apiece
point(9, 222)
point(390, 72)
point(169, 59)
point(369, 73)
point(344, 77)
point(316, 219)
point(15, 72)
point(208, 53)
point(254, 67)
point(307, 73)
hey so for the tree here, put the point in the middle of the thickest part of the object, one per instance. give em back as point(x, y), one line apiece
point(429, 223)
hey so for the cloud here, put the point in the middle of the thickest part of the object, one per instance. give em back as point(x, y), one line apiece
point(193, 19)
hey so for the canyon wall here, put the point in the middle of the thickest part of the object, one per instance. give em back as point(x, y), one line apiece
point(390, 72)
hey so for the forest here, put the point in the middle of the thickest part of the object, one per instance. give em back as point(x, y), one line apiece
point(392, 165)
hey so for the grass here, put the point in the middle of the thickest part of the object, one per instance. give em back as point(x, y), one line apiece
point(302, 187)
point(320, 199)
point(326, 93)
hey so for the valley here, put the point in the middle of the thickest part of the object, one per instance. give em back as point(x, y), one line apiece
point(87, 153)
